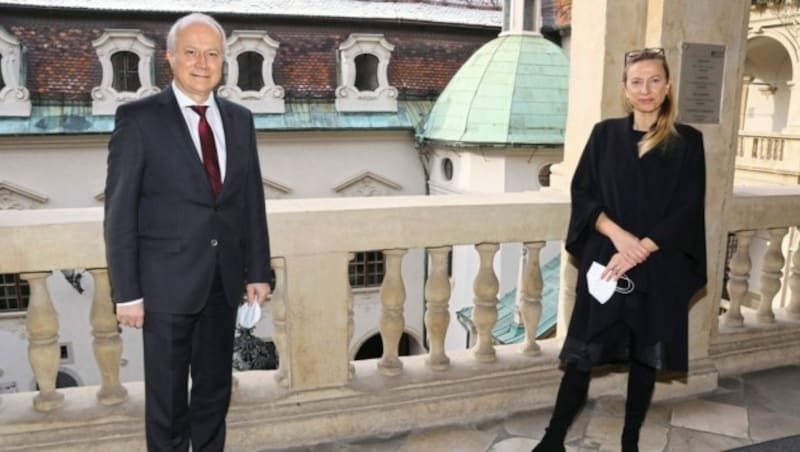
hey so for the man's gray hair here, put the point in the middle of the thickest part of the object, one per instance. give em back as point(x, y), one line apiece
point(190, 19)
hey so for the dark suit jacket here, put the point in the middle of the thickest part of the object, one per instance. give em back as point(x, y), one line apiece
point(164, 229)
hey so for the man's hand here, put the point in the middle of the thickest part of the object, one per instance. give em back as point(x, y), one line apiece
point(258, 292)
point(131, 315)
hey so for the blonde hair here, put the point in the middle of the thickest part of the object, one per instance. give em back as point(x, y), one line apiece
point(664, 128)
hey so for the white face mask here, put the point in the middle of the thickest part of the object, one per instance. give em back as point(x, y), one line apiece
point(248, 315)
point(601, 289)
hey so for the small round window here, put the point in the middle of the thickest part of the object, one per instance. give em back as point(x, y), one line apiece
point(447, 169)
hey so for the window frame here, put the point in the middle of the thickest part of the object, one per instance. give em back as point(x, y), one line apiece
point(359, 267)
point(105, 98)
point(348, 97)
point(14, 96)
point(23, 294)
point(270, 98)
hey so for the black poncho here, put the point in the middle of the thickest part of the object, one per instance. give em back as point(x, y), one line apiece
point(660, 196)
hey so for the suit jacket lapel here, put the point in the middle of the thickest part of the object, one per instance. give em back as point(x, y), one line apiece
point(174, 122)
point(230, 148)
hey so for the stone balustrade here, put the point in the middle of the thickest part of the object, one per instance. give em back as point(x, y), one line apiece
point(755, 323)
point(769, 157)
point(318, 394)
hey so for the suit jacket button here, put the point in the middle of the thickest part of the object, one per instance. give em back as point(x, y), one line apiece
point(214, 242)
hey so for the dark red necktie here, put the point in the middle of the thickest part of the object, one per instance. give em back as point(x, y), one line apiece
point(209, 149)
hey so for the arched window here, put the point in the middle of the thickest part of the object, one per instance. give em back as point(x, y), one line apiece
point(250, 71)
point(126, 71)
point(366, 72)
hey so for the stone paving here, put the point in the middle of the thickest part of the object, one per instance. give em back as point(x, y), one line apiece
point(745, 409)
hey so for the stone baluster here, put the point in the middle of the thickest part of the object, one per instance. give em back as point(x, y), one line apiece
point(738, 277)
point(484, 315)
point(277, 306)
point(772, 271)
point(43, 349)
point(107, 344)
point(793, 309)
point(351, 369)
point(393, 295)
point(437, 314)
point(530, 300)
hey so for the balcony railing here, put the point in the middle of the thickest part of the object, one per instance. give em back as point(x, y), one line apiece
point(769, 157)
point(750, 338)
point(319, 394)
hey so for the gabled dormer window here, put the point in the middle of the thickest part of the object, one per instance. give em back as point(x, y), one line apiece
point(363, 74)
point(249, 57)
point(126, 59)
point(14, 96)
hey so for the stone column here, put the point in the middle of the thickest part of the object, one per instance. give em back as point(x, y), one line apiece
point(793, 115)
point(393, 296)
point(793, 308)
point(317, 349)
point(771, 274)
point(738, 278)
point(668, 27)
point(43, 351)
point(530, 300)
point(485, 312)
point(351, 368)
point(277, 307)
point(107, 344)
point(437, 314)
point(602, 31)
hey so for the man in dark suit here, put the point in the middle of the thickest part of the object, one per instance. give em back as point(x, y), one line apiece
point(186, 232)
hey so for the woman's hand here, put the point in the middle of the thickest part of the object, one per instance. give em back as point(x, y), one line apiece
point(627, 244)
point(617, 266)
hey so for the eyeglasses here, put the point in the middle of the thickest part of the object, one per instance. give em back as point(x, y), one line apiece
point(633, 56)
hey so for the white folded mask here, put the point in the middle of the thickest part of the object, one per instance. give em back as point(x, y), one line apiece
point(248, 315)
point(601, 289)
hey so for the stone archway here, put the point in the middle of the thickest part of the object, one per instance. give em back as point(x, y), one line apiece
point(767, 95)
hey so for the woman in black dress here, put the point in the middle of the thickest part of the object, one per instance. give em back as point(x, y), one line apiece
point(637, 208)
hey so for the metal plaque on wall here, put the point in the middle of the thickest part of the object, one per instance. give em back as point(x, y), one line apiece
point(700, 89)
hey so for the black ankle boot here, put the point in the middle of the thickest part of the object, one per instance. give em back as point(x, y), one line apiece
point(641, 380)
point(570, 399)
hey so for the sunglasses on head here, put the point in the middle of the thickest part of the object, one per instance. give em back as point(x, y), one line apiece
point(643, 54)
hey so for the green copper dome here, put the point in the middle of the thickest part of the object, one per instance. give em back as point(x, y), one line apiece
point(513, 90)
